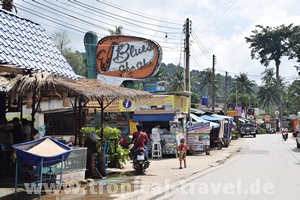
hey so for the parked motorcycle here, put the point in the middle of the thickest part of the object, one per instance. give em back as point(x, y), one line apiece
point(140, 164)
point(218, 143)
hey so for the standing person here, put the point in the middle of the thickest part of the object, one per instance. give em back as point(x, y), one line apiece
point(155, 135)
point(17, 131)
point(91, 151)
point(26, 130)
point(182, 148)
point(140, 139)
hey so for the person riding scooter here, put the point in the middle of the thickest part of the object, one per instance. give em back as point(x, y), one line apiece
point(284, 132)
point(140, 139)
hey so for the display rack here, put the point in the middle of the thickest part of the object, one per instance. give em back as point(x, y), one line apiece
point(40, 178)
point(35, 155)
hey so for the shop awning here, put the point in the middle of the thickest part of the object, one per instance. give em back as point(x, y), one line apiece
point(152, 117)
point(210, 118)
point(199, 119)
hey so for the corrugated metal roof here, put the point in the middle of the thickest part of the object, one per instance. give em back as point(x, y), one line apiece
point(25, 44)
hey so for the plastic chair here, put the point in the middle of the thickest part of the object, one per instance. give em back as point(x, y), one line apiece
point(5, 146)
point(5, 157)
point(156, 150)
point(105, 146)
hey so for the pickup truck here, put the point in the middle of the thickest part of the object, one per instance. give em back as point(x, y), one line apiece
point(248, 129)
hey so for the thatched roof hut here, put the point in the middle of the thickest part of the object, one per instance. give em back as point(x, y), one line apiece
point(83, 89)
point(47, 84)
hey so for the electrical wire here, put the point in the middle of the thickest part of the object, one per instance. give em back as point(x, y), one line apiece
point(96, 13)
point(216, 18)
point(137, 13)
point(112, 15)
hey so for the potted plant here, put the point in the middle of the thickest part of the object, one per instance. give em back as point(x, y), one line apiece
point(118, 156)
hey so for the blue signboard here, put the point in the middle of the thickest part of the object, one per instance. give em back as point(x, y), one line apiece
point(155, 86)
point(198, 127)
point(127, 103)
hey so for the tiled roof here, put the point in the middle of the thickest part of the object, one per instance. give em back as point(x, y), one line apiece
point(25, 44)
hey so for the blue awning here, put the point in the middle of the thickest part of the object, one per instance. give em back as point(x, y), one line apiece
point(199, 119)
point(210, 118)
point(152, 117)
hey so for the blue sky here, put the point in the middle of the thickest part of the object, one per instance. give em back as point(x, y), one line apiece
point(219, 27)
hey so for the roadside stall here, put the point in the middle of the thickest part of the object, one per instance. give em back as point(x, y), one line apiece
point(216, 131)
point(170, 112)
point(228, 123)
point(216, 134)
point(198, 137)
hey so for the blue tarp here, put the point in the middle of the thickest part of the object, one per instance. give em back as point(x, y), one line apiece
point(152, 117)
point(199, 119)
point(210, 118)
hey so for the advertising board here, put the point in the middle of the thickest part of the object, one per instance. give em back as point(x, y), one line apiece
point(127, 57)
point(198, 136)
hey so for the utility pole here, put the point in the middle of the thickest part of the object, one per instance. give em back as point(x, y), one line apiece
point(225, 98)
point(187, 82)
point(236, 96)
point(213, 84)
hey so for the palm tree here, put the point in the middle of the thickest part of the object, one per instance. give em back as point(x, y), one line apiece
point(294, 95)
point(176, 83)
point(267, 93)
point(243, 86)
point(8, 5)
point(288, 105)
point(268, 77)
point(159, 76)
point(206, 83)
point(243, 83)
point(117, 31)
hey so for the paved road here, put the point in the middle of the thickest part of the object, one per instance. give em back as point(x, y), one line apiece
point(266, 168)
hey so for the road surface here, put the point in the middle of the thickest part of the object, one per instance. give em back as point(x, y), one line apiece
point(267, 168)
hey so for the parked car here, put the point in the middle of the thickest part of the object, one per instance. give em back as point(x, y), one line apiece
point(248, 129)
point(298, 140)
point(295, 134)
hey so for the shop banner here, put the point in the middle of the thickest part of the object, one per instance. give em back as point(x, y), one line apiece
point(197, 127)
point(198, 141)
point(198, 135)
point(155, 86)
point(158, 102)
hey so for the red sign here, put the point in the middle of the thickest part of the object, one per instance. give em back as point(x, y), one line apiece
point(128, 57)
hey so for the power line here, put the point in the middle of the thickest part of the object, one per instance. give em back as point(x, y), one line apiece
point(138, 14)
point(112, 15)
point(216, 18)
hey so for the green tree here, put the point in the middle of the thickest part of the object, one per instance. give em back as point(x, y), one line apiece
point(294, 96)
point(177, 81)
point(8, 5)
point(195, 100)
point(117, 31)
point(206, 83)
point(271, 44)
point(74, 58)
point(78, 63)
point(288, 105)
point(267, 93)
point(159, 76)
point(242, 87)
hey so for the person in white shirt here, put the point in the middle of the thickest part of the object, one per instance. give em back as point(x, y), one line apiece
point(155, 135)
point(156, 145)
